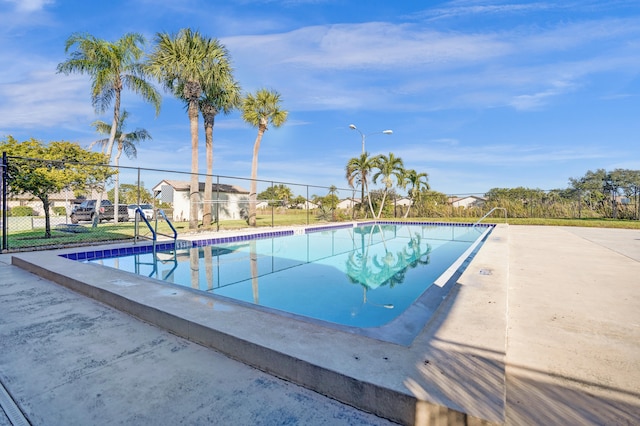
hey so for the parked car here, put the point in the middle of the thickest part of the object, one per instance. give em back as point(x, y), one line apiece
point(86, 211)
point(147, 209)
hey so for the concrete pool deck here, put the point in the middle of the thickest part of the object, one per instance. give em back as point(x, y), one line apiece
point(543, 327)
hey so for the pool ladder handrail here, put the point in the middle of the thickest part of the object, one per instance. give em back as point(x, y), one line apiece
point(491, 211)
point(154, 230)
point(155, 233)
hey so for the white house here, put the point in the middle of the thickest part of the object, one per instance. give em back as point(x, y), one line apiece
point(348, 203)
point(262, 205)
point(227, 200)
point(404, 201)
point(307, 205)
point(468, 201)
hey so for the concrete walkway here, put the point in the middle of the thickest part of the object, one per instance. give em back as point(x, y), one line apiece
point(69, 360)
point(567, 300)
point(573, 338)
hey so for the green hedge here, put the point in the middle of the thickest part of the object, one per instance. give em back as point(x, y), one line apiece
point(21, 211)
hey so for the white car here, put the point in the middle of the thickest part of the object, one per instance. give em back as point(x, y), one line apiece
point(147, 209)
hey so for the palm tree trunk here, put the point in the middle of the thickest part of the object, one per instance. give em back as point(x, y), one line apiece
point(116, 190)
point(362, 196)
point(208, 185)
point(373, 213)
point(384, 196)
point(108, 151)
point(194, 190)
point(406, 214)
point(114, 126)
point(253, 192)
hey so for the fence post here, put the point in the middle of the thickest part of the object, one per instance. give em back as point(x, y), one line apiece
point(218, 203)
point(3, 176)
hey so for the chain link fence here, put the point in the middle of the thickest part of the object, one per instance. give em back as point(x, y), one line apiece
point(148, 198)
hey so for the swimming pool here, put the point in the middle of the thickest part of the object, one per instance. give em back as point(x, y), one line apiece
point(355, 276)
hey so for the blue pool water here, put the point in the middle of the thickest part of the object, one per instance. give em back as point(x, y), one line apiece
point(356, 276)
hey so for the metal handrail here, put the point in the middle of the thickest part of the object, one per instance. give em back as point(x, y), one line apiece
point(154, 230)
point(491, 211)
point(175, 233)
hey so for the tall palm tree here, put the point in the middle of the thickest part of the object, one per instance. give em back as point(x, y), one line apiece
point(126, 142)
point(418, 181)
point(112, 67)
point(259, 110)
point(357, 172)
point(186, 63)
point(217, 98)
point(388, 167)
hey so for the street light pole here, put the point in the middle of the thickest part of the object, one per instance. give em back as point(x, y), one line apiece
point(363, 136)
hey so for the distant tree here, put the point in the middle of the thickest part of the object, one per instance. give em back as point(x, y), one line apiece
point(42, 170)
point(630, 180)
point(299, 201)
point(381, 200)
point(332, 197)
point(126, 142)
point(591, 187)
point(259, 110)
point(128, 194)
point(277, 195)
point(417, 181)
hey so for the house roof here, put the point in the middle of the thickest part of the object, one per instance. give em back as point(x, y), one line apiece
point(179, 185)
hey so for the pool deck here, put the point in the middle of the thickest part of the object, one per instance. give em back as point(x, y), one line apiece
point(543, 327)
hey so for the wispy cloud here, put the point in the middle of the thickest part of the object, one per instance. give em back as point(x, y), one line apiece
point(465, 8)
point(29, 6)
point(40, 99)
point(520, 67)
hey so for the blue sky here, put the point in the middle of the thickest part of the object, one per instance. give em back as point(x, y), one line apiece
point(479, 94)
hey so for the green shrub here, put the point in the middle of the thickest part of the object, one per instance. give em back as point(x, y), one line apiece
point(21, 211)
point(60, 211)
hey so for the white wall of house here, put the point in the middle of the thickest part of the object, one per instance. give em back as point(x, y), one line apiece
point(226, 206)
point(470, 201)
point(347, 203)
point(403, 202)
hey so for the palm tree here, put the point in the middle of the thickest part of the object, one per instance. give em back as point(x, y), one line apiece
point(126, 142)
point(358, 170)
point(112, 67)
point(333, 191)
point(388, 167)
point(186, 63)
point(217, 98)
point(284, 194)
point(418, 182)
point(259, 110)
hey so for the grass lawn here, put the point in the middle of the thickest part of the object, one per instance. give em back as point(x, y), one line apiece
point(86, 234)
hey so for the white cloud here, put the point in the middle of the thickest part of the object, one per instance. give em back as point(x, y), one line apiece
point(29, 6)
point(42, 98)
point(322, 66)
